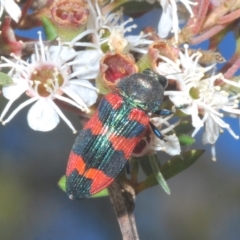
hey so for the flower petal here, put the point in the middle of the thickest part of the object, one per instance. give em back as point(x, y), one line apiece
point(172, 145)
point(13, 10)
point(211, 131)
point(88, 95)
point(165, 23)
point(15, 90)
point(42, 117)
point(196, 120)
point(87, 64)
point(63, 54)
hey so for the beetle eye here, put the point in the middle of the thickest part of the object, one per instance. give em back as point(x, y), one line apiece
point(163, 81)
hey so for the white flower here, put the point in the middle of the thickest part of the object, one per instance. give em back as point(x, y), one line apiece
point(11, 8)
point(107, 30)
point(45, 79)
point(169, 20)
point(170, 144)
point(200, 95)
point(151, 143)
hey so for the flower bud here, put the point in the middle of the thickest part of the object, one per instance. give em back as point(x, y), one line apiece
point(69, 17)
point(163, 49)
point(8, 42)
point(114, 67)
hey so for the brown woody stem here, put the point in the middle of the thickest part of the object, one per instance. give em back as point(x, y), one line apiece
point(123, 203)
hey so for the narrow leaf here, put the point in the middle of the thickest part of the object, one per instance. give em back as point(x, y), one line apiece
point(102, 193)
point(171, 168)
point(62, 183)
point(183, 128)
point(179, 163)
point(49, 29)
point(158, 175)
point(186, 139)
point(145, 164)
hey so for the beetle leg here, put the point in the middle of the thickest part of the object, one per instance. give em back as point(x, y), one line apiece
point(157, 132)
point(163, 112)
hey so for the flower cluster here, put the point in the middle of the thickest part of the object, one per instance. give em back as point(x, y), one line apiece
point(204, 101)
point(45, 78)
point(94, 48)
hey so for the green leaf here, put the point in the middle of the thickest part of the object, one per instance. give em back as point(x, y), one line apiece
point(145, 164)
point(183, 128)
point(179, 163)
point(49, 28)
point(62, 183)
point(5, 79)
point(171, 168)
point(102, 193)
point(186, 139)
point(158, 175)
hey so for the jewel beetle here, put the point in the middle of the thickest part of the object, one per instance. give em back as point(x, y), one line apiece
point(103, 147)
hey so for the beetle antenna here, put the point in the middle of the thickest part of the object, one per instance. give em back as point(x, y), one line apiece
point(172, 74)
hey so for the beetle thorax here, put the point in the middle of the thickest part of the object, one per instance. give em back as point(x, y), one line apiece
point(143, 91)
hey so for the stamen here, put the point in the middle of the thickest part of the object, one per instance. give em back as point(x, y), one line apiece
point(61, 115)
point(114, 17)
point(211, 109)
point(169, 61)
point(195, 132)
point(213, 151)
point(85, 44)
point(98, 11)
point(76, 98)
point(187, 5)
point(36, 52)
point(222, 124)
point(175, 22)
point(71, 102)
point(235, 84)
point(49, 89)
point(170, 128)
point(42, 50)
point(139, 50)
point(81, 35)
point(77, 82)
point(103, 40)
point(59, 50)
point(5, 110)
point(35, 88)
point(129, 29)
point(197, 56)
point(21, 106)
point(126, 22)
point(175, 93)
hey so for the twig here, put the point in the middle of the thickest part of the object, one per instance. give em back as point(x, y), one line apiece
point(123, 199)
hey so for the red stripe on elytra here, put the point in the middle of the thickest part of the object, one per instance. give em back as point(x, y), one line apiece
point(100, 180)
point(139, 116)
point(75, 162)
point(126, 145)
point(95, 124)
point(115, 100)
